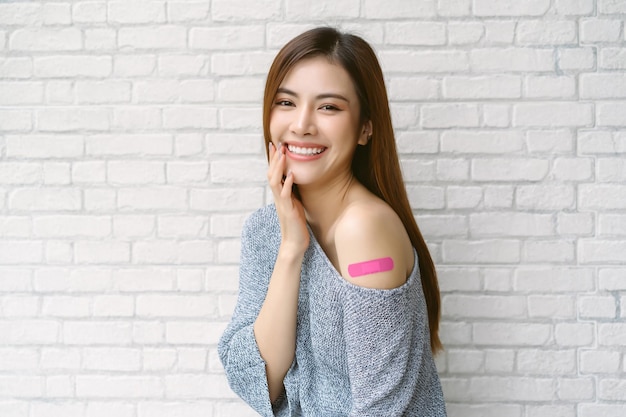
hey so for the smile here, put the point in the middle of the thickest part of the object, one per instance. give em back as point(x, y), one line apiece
point(297, 150)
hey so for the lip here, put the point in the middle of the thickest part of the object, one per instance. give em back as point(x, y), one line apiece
point(299, 157)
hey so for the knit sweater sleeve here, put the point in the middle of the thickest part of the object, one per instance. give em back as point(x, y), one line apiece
point(238, 350)
point(385, 335)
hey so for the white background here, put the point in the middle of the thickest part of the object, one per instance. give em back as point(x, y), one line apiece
point(131, 152)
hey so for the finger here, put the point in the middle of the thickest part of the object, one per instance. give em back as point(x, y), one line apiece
point(277, 170)
point(287, 186)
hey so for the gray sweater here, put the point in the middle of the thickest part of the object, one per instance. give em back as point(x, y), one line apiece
point(359, 351)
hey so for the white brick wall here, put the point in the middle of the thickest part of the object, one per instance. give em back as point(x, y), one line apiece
point(131, 153)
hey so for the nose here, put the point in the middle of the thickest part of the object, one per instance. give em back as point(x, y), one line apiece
point(303, 122)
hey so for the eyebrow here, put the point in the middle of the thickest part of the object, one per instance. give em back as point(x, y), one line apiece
point(319, 96)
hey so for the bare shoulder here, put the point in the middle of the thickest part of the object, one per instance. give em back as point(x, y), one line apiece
point(372, 246)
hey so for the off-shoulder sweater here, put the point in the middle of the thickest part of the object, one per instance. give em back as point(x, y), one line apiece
point(360, 351)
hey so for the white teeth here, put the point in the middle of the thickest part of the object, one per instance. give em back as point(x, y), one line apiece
point(304, 151)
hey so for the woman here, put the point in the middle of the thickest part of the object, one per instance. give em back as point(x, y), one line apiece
point(338, 306)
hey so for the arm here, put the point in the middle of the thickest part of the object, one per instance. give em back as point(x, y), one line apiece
point(275, 326)
point(382, 317)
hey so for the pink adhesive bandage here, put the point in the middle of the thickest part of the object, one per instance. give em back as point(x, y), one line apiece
point(370, 267)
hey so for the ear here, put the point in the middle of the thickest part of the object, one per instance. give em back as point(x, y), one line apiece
point(366, 133)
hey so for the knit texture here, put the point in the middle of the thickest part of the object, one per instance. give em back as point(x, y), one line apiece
point(359, 351)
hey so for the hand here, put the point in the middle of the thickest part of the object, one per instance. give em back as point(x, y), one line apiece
point(294, 232)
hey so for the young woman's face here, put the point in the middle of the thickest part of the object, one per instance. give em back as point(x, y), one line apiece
point(316, 116)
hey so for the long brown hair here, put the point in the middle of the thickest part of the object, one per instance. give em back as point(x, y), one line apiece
point(376, 164)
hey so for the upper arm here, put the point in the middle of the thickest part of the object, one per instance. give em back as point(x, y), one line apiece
point(367, 234)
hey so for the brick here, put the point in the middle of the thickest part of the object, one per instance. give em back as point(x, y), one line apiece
point(145, 37)
point(72, 226)
point(16, 67)
point(113, 306)
point(460, 141)
point(490, 388)
point(89, 12)
point(15, 93)
point(553, 114)
point(449, 115)
point(65, 358)
point(63, 306)
point(603, 86)
point(44, 146)
point(73, 118)
point(426, 197)
point(545, 197)
point(574, 334)
point(136, 12)
point(611, 58)
point(600, 30)
point(576, 59)
point(21, 14)
point(189, 117)
point(601, 251)
point(174, 65)
point(554, 251)
point(413, 88)
point(498, 32)
point(12, 120)
point(509, 169)
point(510, 8)
point(46, 39)
point(612, 224)
point(100, 39)
point(72, 66)
point(189, 144)
point(465, 361)
point(452, 170)
point(553, 280)
point(483, 306)
point(28, 332)
point(424, 62)
point(226, 38)
point(574, 7)
point(151, 198)
point(129, 144)
point(143, 279)
point(573, 169)
point(602, 196)
point(236, 63)
point(134, 65)
point(45, 199)
point(453, 8)
point(601, 142)
point(187, 11)
point(604, 410)
point(481, 251)
point(299, 9)
point(78, 280)
point(541, 32)
point(390, 9)
point(551, 410)
point(612, 389)
point(511, 224)
point(239, 118)
point(512, 60)
point(112, 359)
point(195, 409)
point(127, 386)
point(611, 114)
point(99, 92)
point(417, 170)
point(238, 171)
point(575, 223)
point(135, 172)
point(496, 115)
point(597, 307)
point(101, 252)
point(555, 362)
point(576, 389)
point(551, 306)
point(611, 170)
point(226, 199)
point(160, 252)
point(17, 386)
point(611, 334)
point(549, 86)
point(195, 333)
point(96, 333)
point(240, 90)
point(490, 87)
point(228, 11)
point(415, 33)
point(229, 143)
point(465, 33)
point(187, 172)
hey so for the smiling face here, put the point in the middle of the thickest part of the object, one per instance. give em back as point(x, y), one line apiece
point(316, 115)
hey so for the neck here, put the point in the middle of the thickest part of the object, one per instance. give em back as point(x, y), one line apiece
point(324, 204)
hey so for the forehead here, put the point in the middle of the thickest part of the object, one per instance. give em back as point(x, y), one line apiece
point(318, 74)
